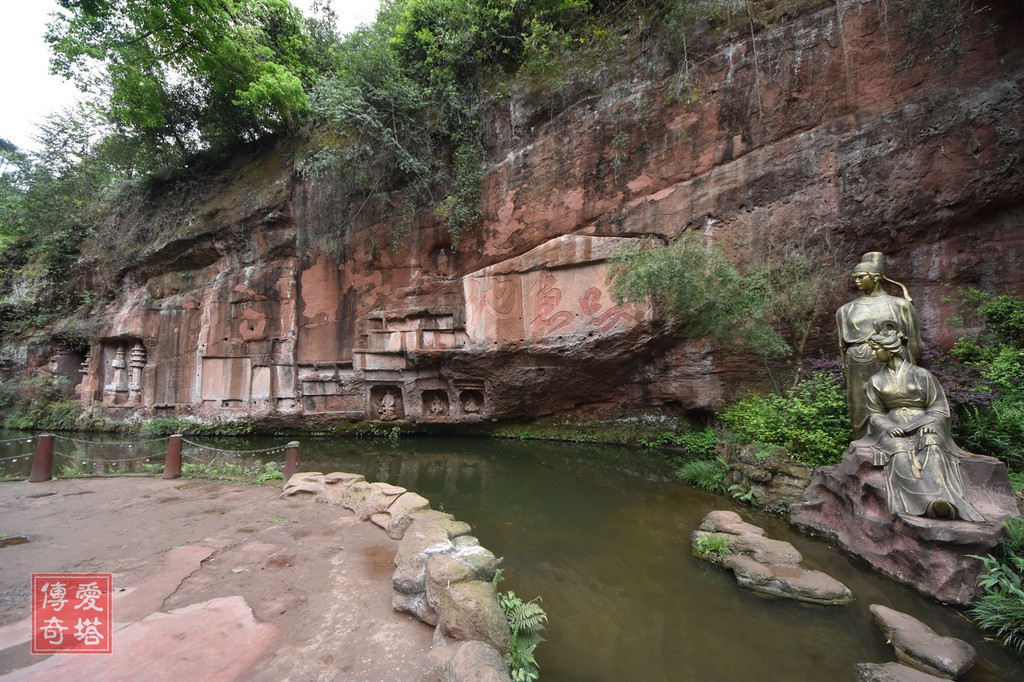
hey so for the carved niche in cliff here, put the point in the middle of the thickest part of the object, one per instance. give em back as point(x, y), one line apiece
point(120, 372)
point(472, 403)
point(386, 403)
point(436, 404)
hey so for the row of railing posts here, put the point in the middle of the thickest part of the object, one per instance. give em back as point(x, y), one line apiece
point(42, 462)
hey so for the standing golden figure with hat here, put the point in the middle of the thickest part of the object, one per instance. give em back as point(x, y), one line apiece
point(858, 320)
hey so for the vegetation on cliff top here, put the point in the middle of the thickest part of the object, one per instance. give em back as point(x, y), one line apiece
point(401, 105)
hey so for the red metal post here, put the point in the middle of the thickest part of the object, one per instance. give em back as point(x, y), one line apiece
point(42, 462)
point(172, 465)
point(291, 460)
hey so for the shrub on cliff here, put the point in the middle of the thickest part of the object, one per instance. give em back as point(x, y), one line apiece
point(701, 291)
point(983, 376)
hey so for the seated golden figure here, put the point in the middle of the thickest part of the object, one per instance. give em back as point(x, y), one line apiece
point(908, 426)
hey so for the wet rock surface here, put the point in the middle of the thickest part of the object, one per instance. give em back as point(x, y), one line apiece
point(891, 672)
point(918, 646)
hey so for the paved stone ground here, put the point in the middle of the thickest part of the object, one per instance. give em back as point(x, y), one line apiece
point(211, 582)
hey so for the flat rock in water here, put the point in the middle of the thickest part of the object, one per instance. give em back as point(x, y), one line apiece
point(764, 565)
point(766, 550)
point(919, 646)
point(892, 672)
point(788, 581)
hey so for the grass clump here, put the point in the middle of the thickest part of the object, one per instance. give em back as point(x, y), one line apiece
point(708, 474)
point(712, 547)
point(1001, 606)
point(159, 427)
point(245, 473)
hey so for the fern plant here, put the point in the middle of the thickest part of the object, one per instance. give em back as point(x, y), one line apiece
point(1001, 606)
point(526, 621)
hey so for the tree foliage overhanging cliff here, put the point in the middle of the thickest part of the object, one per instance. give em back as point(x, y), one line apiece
point(397, 104)
point(394, 113)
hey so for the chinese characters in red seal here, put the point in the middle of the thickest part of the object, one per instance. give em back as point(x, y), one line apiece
point(71, 613)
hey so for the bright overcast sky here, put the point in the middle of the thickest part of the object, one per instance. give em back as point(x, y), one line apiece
point(27, 90)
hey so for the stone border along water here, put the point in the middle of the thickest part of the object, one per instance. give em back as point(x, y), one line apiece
point(443, 576)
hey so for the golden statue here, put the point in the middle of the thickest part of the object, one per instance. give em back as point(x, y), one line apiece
point(908, 427)
point(858, 320)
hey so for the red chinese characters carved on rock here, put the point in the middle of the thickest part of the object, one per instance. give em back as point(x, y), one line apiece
point(71, 613)
point(548, 298)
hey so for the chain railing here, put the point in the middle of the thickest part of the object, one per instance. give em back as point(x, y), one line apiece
point(199, 460)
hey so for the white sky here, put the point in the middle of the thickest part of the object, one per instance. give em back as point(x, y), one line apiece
point(27, 90)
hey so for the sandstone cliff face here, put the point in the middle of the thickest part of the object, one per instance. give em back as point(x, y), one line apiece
point(803, 128)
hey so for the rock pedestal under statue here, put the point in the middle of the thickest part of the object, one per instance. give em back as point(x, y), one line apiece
point(847, 502)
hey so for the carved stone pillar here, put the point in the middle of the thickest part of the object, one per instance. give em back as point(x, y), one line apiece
point(136, 362)
point(82, 388)
point(116, 392)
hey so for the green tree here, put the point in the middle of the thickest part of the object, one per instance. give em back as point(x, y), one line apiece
point(403, 108)
point(179, 76)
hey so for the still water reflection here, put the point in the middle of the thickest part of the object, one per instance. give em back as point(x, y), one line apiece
point(601, 534)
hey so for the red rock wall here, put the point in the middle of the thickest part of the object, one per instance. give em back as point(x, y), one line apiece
point(805, 129)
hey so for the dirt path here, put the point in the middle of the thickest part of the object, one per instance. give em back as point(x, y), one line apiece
point(211, 581)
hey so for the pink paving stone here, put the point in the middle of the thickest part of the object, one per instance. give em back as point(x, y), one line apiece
point(213, 641)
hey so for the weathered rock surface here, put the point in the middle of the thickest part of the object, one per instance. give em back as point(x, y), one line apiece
point(469, 611)
point(891, 672)
point(400, 513)
point(464, 662)
point(723, 521)
point(766, 566)
point(792, 582)
point(847, 502)
point(918, 646)
point(774, 482)
point(804, 127)
point(366, 499)
point(304, 483)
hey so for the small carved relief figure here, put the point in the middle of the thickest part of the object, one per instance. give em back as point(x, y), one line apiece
point(858, 320)
point(471, 405)
point(438, 407)
point(387, 410)
point(908, 425)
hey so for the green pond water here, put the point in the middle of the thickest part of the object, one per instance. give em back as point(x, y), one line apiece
point(601, 535)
